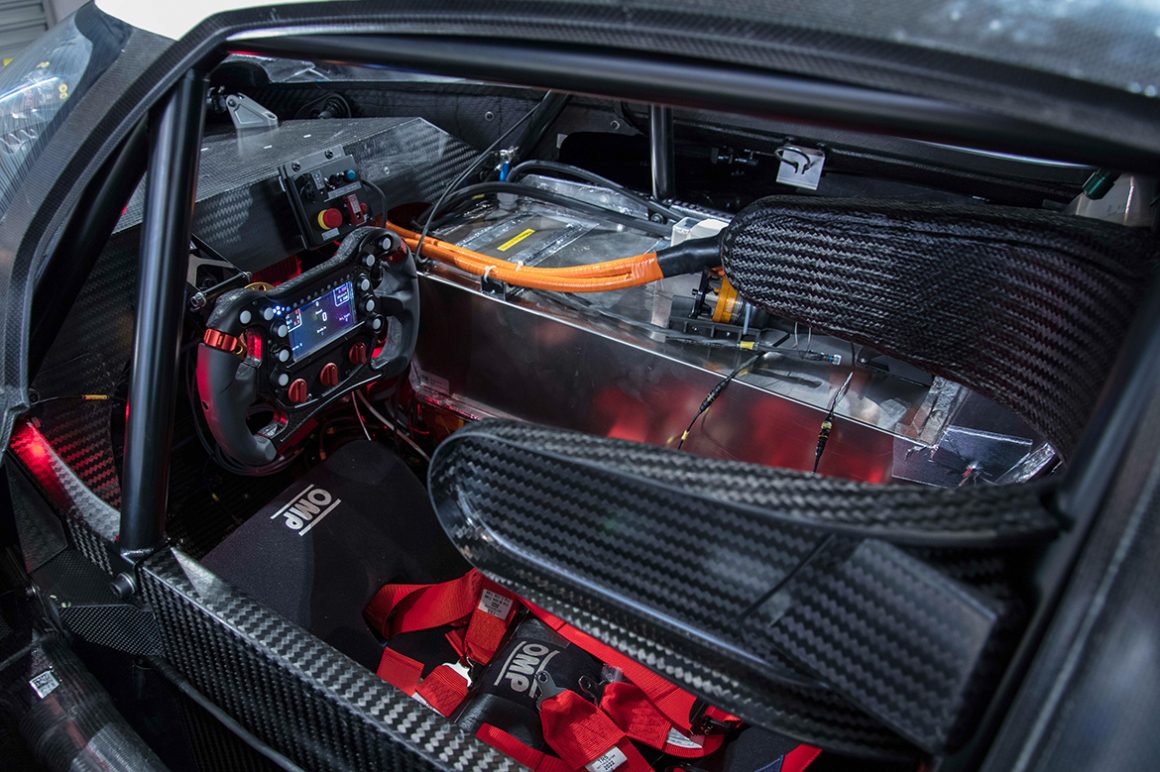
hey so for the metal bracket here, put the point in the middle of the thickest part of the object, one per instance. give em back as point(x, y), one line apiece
point(800, 167)
point(248, 114)
point(78, 597)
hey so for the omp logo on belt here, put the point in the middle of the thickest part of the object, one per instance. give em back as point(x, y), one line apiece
point(519, 670)
point(307, 509)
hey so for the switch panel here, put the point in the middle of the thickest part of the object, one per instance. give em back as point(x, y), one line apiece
point(327, 194)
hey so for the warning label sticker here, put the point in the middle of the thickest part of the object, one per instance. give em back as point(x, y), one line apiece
point(495, 604)
point(504, 247)
point(608, 762)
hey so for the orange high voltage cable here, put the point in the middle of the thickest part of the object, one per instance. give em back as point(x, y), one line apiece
point(596, 277)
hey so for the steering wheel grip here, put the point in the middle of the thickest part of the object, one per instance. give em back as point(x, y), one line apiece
point(228, 387)
point(398, 298)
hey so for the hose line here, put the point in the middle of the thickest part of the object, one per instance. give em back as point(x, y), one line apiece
point(622, 273)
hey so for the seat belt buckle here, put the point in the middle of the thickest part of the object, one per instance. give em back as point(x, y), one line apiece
point(546, 688)
point(702, 724)
point(462, 670)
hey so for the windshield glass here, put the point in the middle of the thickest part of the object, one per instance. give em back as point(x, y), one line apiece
point(36, 91)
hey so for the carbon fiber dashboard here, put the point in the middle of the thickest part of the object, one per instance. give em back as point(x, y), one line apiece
point(242, 213)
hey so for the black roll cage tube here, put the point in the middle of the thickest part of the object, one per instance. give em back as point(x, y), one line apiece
point(170, 191)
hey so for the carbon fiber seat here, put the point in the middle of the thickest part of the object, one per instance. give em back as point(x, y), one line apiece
point(1026, 307)
point(868, 619)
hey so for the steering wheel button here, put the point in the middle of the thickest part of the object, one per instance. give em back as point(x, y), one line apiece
point(282, 331)
point(328, 219)
point(357, 353)
point(376, 324)
point(267, 313)
point(369, 305)
point(296, 394)
point(245, 317)
point(364, 284)
point(283, 379)
point(329, 375)
point(284, 355)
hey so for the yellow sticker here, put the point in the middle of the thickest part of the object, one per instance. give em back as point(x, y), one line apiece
point(504, 247)
point(745, 344)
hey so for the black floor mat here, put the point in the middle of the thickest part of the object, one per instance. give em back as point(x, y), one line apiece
point(319, 551)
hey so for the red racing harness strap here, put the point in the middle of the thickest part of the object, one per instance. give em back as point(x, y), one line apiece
point(405, 608)
point(535, 760)
point(585, 737)
point(630, 709)
point(650, 701)
point(477, 609)
point(645, 708)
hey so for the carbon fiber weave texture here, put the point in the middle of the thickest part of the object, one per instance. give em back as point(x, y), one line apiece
point(217, 749)
point(296, 693)
point(751, 33)
point(95, 735)
point(767, 610)
point(460, 109)
point(894, 46)
point(90, 355)
point(1026, 307)
point(243, 213)
point(902, 514)
point(38, 528)
point(89, 522)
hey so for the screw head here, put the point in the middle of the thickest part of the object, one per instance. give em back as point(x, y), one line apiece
point(489, 115)
point(295, 166)
point(615, 124)
point(329, 154)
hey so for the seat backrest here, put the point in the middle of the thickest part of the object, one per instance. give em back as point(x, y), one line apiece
point(848, 614)
point(1026, 307)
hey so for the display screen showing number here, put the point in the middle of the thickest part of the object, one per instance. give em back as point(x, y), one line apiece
point(321, 321)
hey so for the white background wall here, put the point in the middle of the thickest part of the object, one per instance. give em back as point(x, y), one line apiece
point(58, 9)
point(22, 21)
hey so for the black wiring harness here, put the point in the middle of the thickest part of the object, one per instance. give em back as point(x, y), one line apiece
point(721, 385)
point(453, 194)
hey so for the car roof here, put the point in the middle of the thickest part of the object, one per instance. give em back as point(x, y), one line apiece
point(1112, 43)
point(175, 19)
